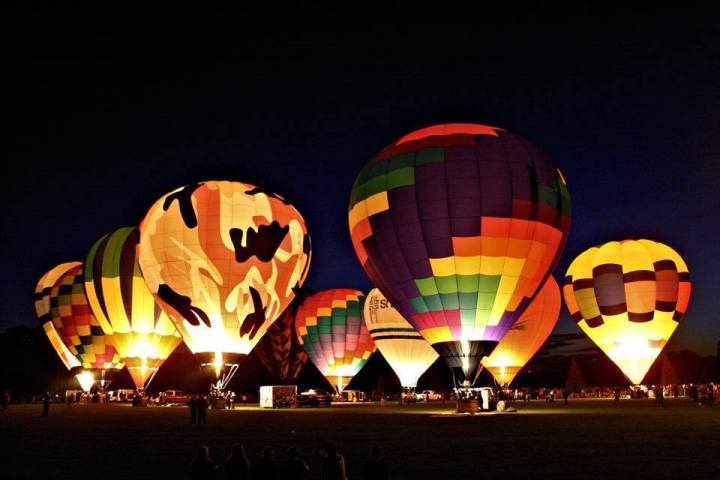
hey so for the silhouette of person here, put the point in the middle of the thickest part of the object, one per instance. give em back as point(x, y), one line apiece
point(295, 467)
point(193, 404)
point(566, 395)
point(202, 408)
point(237, 466)
point(265, 467)
point(202, 467)
point(617, 395)
point(46, 404)
point(332, 466)
point(375, 468)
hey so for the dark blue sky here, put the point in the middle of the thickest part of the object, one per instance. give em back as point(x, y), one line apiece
point(106, 121)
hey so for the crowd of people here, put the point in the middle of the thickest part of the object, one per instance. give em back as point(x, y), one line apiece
point(267, 467)
point(700, 393)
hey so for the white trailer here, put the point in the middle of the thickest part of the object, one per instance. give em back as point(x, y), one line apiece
point(278, 396)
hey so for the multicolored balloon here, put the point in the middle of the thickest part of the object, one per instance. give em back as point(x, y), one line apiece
point(331, 329)
point(124, 307)
point(628, 297)
point(526, 336)
point(42, 309)
point(77, 326)
point(223, 259)
point(280, 350)
point(459, 225)
point(407, 352)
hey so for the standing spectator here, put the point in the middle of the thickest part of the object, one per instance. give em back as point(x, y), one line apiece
point(46, 404)
point(265, 466)
point(332, 463)
point(202, 408)
point(193, 404)
point(202, 467)
point(295, 467)
point(5, 399)
point(237, 466)
point(375, 468)
point(617, 395)
point(566, 395)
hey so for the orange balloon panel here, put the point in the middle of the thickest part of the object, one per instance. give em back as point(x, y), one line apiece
point(222, 259)
point(527, 335)
point(628, 297)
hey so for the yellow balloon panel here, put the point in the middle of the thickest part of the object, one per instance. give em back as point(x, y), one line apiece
point(628, 297)
point(527, 335)
point(124, 306)
point(407, 352)
point(222, 259)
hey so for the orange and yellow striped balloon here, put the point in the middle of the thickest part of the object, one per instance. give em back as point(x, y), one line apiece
point(526, 336)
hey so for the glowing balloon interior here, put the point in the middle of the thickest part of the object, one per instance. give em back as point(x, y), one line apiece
point(407, 352)
point(628, 297)
point(124, 307)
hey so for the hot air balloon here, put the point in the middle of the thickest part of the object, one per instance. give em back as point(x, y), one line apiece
point(223, 260)
point(280, 350)
point(628, 297)
point(79, 329)
point(459, 225)
point(124, 307)
point(526, 336)
point(331, 329)
point(42, 309)
point(407, 352)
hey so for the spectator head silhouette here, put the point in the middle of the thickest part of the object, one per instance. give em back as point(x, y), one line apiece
point(203, 453)
point(292, 453)
point(238, 451)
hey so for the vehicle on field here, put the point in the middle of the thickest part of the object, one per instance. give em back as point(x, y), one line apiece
point(278, 396)
point(121, 395)
point(428, 396)
point(351, 396)
point(174, 396)
point(314, 398)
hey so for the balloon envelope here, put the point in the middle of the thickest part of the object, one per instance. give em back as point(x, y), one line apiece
point(280, 350)
point(42, 310)
point(77, 326)
point(526, 336)
point(331, 329)
point(124, 307)
point(628, 297)
point(222, 259)
point(459, 225)
point(407, 352)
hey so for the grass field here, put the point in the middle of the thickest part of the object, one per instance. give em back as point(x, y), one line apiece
point(586, 439)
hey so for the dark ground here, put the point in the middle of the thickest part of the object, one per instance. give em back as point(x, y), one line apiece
point(588, 439)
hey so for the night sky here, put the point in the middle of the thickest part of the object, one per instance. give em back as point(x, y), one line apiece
point(106, 120)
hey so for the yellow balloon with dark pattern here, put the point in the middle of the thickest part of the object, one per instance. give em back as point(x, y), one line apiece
point(628, 297)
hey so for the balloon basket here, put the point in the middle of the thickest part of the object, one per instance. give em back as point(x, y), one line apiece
point(470, 406)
